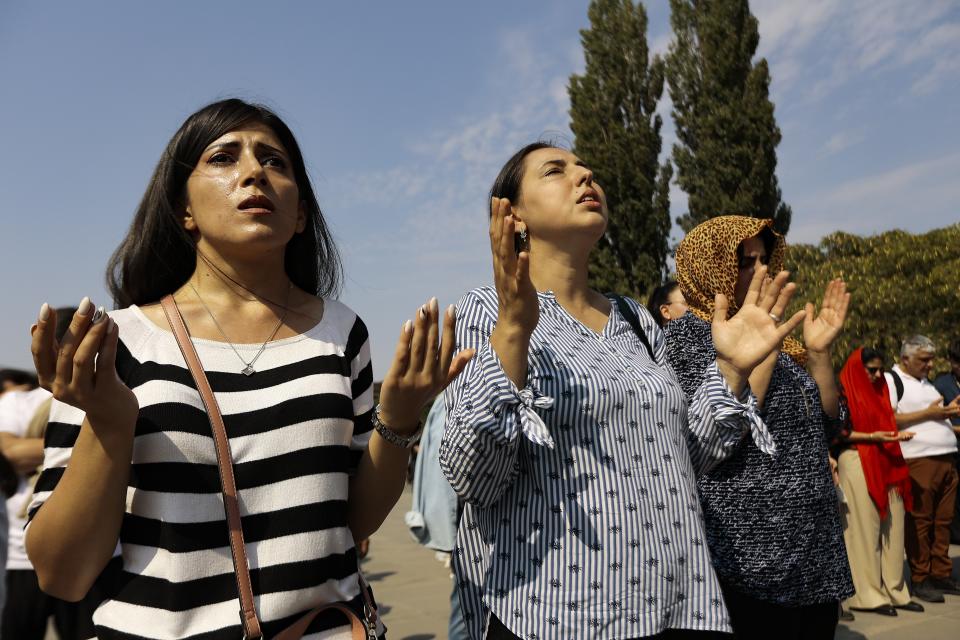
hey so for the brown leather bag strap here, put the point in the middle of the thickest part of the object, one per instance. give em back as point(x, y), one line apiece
point(248, 613)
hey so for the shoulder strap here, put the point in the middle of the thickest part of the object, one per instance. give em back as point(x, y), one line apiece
point(633, 321)
point(359, 629)
point(248, 614)
point(898, 383)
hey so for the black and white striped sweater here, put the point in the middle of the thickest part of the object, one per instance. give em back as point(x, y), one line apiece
point(297, 430)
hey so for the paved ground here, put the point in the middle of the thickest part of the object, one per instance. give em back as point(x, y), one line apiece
point(938, 622)
point(414, 590)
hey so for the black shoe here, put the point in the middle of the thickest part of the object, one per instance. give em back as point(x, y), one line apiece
point(911, 606)
point(945, 585)
point(926, 591)
point(884, 610)
point(846, 615)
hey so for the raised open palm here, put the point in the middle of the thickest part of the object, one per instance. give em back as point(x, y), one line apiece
point(745, 340)
point(516, 295)
point(821, 329)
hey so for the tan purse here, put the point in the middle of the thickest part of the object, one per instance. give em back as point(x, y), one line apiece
point(359, 629)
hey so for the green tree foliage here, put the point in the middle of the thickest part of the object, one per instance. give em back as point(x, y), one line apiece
point(617, 133)
point(900, 284)
point(726, 157)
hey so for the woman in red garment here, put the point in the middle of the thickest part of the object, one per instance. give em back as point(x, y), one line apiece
point(876, 484)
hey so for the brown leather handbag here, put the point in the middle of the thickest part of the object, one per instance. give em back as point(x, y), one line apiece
point(359, 629)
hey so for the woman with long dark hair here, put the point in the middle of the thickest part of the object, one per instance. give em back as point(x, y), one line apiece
point(130, 497)
point(569, 438)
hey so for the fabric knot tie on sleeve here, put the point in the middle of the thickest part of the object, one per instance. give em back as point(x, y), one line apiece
point(758, 429)
point(531, 423)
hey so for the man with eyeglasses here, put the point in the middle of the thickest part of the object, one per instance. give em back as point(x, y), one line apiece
point(920, 408)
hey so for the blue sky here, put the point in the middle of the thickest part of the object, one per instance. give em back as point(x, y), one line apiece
point(405, 111)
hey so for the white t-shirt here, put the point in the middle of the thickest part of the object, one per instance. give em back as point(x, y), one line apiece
point(933, 437)
point(16, 410)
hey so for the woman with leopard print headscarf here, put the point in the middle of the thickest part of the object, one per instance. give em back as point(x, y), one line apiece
point(770, 508)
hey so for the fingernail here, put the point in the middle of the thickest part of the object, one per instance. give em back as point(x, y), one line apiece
point(433, 304)
point(452, 311)
point(420, 312)
point(99, 315)
point(44, 312)
point(408, 326)
point(85, 306)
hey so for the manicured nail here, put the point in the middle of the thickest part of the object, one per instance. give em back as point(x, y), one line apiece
point(420, 312)
point(452, 311)
point(433, 304)
point(85, 306)
point(99, 315)
point(408, 326)
point(44, 312)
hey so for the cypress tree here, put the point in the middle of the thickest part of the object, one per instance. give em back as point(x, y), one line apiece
point(617, 133)
point(726, 157)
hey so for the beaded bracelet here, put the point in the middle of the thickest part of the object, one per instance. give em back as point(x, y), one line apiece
point(392, 436)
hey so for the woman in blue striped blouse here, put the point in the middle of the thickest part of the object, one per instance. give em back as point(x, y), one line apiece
point(569, 438)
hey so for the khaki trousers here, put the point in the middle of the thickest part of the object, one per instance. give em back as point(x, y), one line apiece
point(874, 547)
point(934, 481)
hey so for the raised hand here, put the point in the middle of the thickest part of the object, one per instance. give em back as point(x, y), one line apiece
point(423, 365)
point(821, 329)
point(519, 308)
point(745, 340)
point(81, 371)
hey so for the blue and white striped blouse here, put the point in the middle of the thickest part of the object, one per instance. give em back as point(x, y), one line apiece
point(587, 525)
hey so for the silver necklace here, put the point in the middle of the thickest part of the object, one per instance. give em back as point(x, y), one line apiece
point(248, 369)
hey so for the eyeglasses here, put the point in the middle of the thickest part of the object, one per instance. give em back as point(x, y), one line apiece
point(745, 262)
point(873, 370)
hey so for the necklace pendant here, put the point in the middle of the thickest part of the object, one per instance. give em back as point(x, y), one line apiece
point(248, 371)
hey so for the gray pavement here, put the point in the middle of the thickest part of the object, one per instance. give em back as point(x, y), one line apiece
point(413, 590)
point(937, 622)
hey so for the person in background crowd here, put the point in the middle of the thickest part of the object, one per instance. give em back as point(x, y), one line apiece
point(667, 303)
point(17, 380)
point(948, 384)
point(23, 424)
point(569, 438)
point(28, 608)
point(920, 409)
point(876, 486)
point(9, 481)
point(435, 511)
point(771, 508)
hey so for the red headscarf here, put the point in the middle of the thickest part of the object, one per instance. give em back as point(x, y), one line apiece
point(870, 411)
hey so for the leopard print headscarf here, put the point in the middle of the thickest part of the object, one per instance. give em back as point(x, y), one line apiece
point(707, 265)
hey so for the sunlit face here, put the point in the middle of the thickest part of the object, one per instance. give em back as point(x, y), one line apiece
point(243, 194)
point(874, 369)
point(919, 364)
point(559, 198)
point(752, 254)
point(675, 306)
